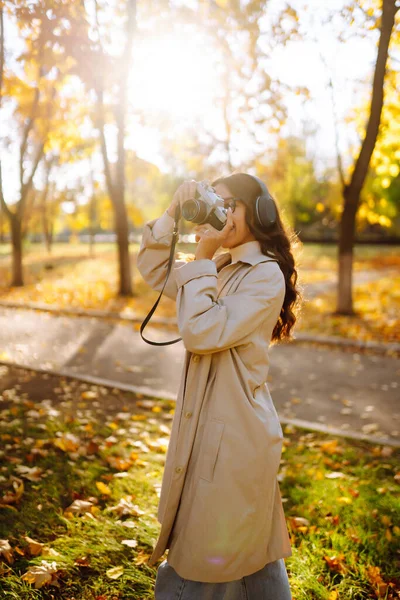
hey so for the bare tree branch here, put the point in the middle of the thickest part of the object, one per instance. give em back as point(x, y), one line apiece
point(120, 112)
point(103, 144)
point(27, 129)
point(339, 161)
point(96, 15)
point(362, 163)
point(100, 113)
point(26, 187)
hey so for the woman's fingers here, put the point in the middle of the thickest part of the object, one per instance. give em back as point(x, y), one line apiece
point(192, 188)
point(229, 223)
point(208, 229)
point(208, 232)
point(186, 191)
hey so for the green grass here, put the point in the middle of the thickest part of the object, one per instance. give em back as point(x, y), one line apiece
point(352, 518)
point(101, 445)
point(71, 469)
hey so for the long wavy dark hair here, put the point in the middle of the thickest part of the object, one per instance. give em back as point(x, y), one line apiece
point(275, 242)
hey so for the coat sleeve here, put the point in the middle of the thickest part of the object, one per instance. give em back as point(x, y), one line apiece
point(153, 256)
point(208, 324)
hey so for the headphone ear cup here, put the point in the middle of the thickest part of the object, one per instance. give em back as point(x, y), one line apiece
point(257, 213)
point(265, 212)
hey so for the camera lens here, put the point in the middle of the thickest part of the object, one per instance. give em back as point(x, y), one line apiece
point(190, 209)
point(194, 210)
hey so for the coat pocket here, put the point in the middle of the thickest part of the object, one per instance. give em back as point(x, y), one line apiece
point(213, 436)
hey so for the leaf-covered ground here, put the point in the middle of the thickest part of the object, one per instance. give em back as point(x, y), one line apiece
point(80, 475)
point(376, 303)
point(70, 279)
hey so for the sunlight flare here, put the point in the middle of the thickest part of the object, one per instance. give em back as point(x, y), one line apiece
point(176, 76)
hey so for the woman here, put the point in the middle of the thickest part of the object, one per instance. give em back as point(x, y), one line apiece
point(220, 506)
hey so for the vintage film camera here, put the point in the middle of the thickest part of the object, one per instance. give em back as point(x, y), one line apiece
point(206, 207)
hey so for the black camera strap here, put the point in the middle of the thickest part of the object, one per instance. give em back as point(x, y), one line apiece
point(175, 235)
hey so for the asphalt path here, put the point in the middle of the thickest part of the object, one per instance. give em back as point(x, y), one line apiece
point(345, 390)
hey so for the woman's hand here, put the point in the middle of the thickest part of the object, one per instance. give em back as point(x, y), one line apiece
point(210, 239)
point(186, 191)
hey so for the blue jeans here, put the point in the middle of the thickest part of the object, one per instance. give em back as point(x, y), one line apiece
point(270, 583)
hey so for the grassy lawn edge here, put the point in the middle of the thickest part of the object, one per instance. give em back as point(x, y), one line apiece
point(81, 469)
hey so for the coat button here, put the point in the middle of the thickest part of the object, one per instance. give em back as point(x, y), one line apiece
point(188, 415)
point(178, 469)
point(196, 358)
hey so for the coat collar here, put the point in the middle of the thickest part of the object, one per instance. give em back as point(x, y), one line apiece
point(249, 253)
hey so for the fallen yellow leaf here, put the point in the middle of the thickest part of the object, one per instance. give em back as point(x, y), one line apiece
point(330, 447)
point(141, 558)
point(6, 551)
point(35, 548)
point(78, 507)
point(345, 500)
point(115, 572)
point(130, 543)
point(89, 395)
point(41, 574)
point(103, 488)
point(68, 442)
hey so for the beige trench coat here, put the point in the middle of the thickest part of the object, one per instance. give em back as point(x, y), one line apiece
point(220, 508)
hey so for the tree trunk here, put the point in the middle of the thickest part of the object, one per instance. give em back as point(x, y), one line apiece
point(122, 231)
point(116, 188)
point(48, 237)
point(46, 211)
point(346, 245)
point(121, 217)
point(2, 239)
point(16, 218)
point(124, 263)
point(352, 191)
point(16, 240)
point(49, 246)
point(92, 216)
point(48, 229)
point(91, 236)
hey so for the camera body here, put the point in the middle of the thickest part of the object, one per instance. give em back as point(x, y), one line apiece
point(206, 207)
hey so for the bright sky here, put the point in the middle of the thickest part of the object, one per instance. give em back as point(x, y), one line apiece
point(314, 62)
point(184, 77)
point(178, 76)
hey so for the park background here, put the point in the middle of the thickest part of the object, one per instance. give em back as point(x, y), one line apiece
point(105, 108)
